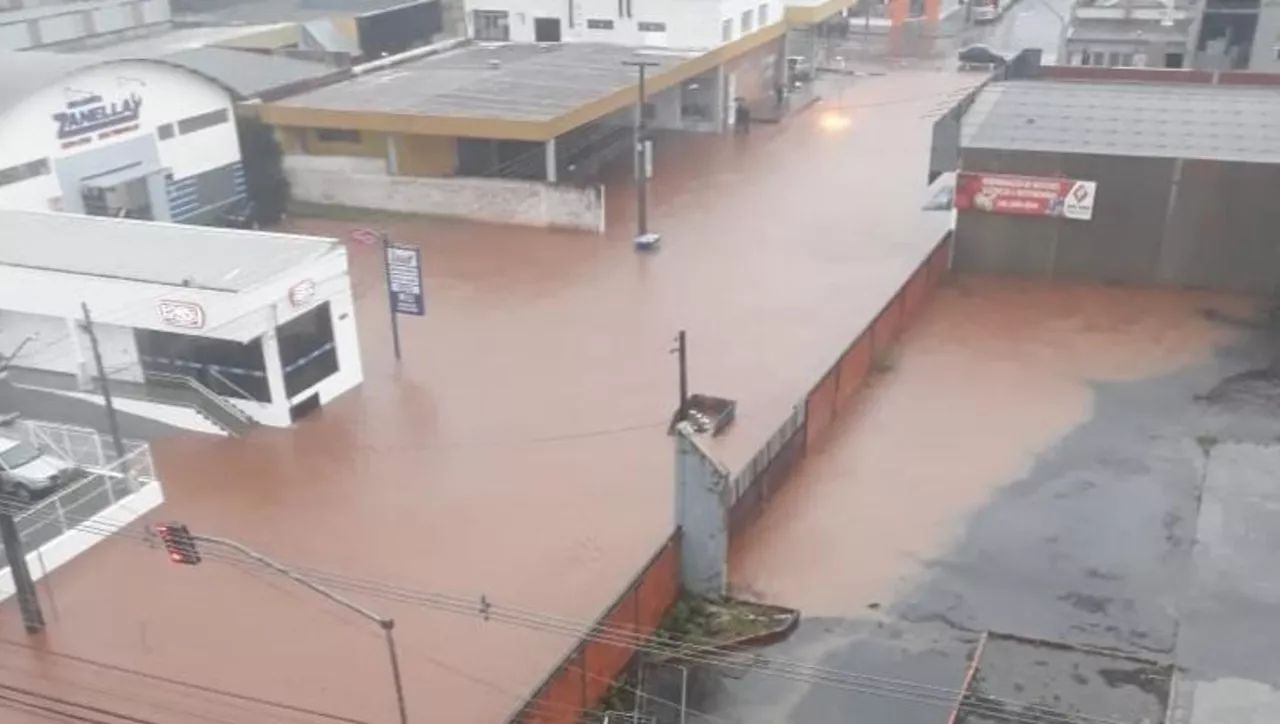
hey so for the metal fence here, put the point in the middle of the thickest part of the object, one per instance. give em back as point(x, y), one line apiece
point(765, 456)
point(108, 479)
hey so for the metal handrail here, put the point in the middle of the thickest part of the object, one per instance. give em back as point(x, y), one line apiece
point(221, 378)
point(204, 392)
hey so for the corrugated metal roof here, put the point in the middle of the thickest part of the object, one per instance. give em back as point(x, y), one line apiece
point(243, 73)
point(1218, 122)
point(509, 81)
point(148, 251)
point(246, 73)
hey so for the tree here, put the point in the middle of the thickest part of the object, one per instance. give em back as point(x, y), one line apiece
point(264, 171)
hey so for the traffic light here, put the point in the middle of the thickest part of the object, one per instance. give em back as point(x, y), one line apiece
point(179, 543)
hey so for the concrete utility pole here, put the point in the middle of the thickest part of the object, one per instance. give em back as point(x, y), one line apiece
point(644, 163)
point(386, 624)
point(112, 422)
point(28, 601)
point(683, 361)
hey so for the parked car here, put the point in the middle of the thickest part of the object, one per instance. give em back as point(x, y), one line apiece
point(28, 472)
point(980, 56)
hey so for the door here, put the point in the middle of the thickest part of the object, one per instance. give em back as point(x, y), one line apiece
point(546, 30)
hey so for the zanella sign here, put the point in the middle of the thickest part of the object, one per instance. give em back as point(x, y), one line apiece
point(91, 114)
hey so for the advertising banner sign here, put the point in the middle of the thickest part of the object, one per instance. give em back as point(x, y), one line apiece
point(1025, 195)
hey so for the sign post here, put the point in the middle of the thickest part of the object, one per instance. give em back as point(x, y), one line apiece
point(403, 268)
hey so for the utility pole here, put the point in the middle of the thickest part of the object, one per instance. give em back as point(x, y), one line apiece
point(386, 269)
point(643, 163)
point(186, 551)
point(28, 601)
point(112, 422)
point(682, 361)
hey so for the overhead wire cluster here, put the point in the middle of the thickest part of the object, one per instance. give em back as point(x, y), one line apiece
point(695, 652)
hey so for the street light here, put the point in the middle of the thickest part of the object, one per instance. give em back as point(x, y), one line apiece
point(644, 164)
point(180, 543)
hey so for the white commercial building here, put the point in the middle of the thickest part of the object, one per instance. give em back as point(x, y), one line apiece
point(143, 139)
point(239, 327)
point(685, 24)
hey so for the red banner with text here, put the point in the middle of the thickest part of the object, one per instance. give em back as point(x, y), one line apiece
point(1025, 195)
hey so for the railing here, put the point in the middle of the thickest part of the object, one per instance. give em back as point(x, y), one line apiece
point(238, 420)
point(80, 445)
point(765, 456)
point(72, 506)
point(108, 479)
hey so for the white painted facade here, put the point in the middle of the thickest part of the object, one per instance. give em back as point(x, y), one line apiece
point(39, 24)
point(44, 164)
point(46, 304)
point(684, 24)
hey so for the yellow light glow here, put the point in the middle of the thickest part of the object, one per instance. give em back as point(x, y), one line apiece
point(834, 120)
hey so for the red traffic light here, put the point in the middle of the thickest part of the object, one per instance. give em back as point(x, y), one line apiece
point(179, 543)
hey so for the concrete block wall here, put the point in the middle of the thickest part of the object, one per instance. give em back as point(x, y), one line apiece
point(501, 201)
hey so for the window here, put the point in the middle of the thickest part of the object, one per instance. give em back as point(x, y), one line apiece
point(228, 368)
point(492, 25)
point(337, 135)
point(762, 15)
point(23, 171)
point(165, 132)
point(726, 30)
point(652, 27)
point(599, 24)
point(746, 21)
point(307, 352)
point(202, 121)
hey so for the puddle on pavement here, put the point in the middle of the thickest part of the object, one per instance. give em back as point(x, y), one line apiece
point(995, 372)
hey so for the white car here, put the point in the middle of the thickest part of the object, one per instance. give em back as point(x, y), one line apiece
point(985, 13)
point(28, 472)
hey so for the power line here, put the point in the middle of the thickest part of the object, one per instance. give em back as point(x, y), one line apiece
point(118, 669)
point(994, 707)
point(18, 690)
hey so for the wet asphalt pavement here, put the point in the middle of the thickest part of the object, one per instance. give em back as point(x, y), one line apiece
point(1091, 533)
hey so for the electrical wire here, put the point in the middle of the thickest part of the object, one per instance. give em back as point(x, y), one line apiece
point(18, 690)
point(699, 654)
point(49, 710)
point(995, 707)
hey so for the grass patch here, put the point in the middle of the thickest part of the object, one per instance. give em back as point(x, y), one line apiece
point(883, 361)
point(1206, 443)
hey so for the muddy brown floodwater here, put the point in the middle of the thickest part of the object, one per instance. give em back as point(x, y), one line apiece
point(994, 372)
point(519, 450)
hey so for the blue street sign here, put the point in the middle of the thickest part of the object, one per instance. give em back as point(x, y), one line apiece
point(404, 279)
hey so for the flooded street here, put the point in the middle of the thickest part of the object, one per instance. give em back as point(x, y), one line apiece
point(1030, 462)
point(519, 450)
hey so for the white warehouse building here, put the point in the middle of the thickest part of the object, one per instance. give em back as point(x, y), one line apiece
point(205, 328)
point(143, 139)
point(684, 24)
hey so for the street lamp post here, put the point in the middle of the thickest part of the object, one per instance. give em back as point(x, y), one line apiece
point(643, 162)
point(386, 624)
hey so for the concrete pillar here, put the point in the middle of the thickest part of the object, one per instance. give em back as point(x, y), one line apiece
point(393, 154)
point(84, 378)
point(158, 194)
point(702, 513)
point(271, 363)
point(551, 160)
point(720, 105)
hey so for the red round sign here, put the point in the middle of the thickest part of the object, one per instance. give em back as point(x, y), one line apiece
point(365, 236)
